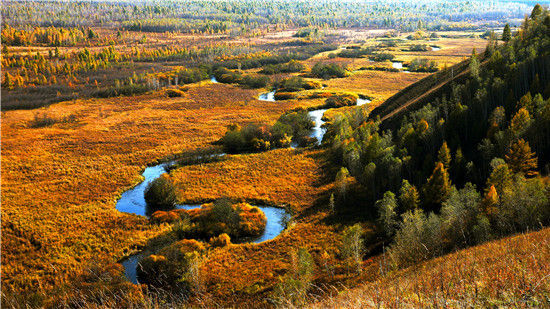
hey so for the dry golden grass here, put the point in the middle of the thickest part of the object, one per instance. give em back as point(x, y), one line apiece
point(453, 50)
point(511, 272)
point(60, 183)
point(282, 176)
point(378, 85)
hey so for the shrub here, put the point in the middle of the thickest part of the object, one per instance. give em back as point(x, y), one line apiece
point(233, 141)
point(353, 248)
point(460, 212)
point(423, 65)
point(292, 290)
point(328, 70)
point(222, 240)
point(380, 57)
point(225, 216)
point(226, 76)
point(160, 216)
point(417, 239)
point(284, 95)
point(124, 90)
point(253, 137)
point(155, 270)
point(160, 194)
point(170, 268)
point(355, 52)
point(308, 85)
point(291, 84)
point(290, 67)
point(42, 120)
point(418, 47)
point(299, 121)
point(305, 32)
point(254, 81)
point(341, 100)
point(171, 93)
point(387, 216)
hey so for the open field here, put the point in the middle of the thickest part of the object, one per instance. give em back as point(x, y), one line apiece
point(107, 145)
point(108, 141)
point(406, 211)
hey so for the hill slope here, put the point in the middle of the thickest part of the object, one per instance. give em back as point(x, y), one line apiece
point(513, 271)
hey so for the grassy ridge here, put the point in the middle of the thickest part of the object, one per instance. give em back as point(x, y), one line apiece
point(511, 272)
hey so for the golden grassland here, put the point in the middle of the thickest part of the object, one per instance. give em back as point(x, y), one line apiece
point(511, 272)
point(378, 85)
point(239, 274)
point(453, 50)
point(282, 176)
point(60, 183)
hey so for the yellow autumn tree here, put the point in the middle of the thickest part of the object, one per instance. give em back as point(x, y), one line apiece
point(521, 159)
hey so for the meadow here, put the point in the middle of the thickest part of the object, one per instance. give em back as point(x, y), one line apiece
point(87, 107)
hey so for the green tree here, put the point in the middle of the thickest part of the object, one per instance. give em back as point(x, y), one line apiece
point(500, 177)
point(459, 213)
point(353, 246)
point(520, 122)
point(387, 216)
point(8, 82)
point(536, 12)
point(506, 33)
point(342, 182)
point(408, 196)
point(438, 187)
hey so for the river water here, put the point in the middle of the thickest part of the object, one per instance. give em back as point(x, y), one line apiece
point(133, 201)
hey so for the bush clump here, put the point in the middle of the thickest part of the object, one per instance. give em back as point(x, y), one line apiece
point(222, 240)
point(224, 216)
point(355, 52)
point(254, 81)
point(328, 70)
point(261, 137)
point(171, 216)
point(226, 76)
point(341, 100)
point(160, 194)
point(279, 95)
point(169, 268)
point(380, 57)
point(423, 65)
point(292, 66)
point(172, 93)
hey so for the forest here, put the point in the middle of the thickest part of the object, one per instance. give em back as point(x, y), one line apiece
point(275, 154)
point(465, 167)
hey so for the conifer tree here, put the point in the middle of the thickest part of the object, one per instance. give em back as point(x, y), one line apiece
point(500, 177)
point(536, 12)
point(408, 196)
point(506, 34)
point(521, 159)
point(444, 155)
point(490, 201)
point(438, 187)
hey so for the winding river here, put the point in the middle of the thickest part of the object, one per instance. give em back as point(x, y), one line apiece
point(133, 201)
